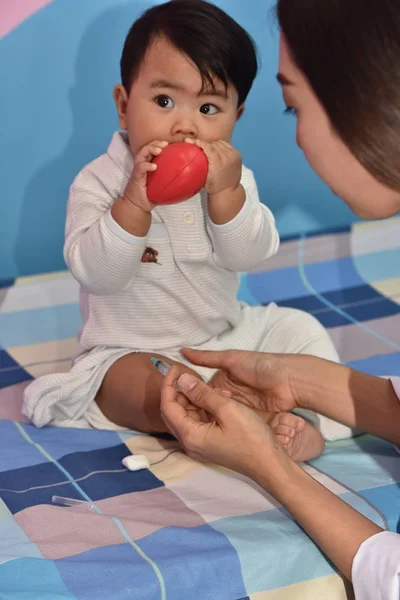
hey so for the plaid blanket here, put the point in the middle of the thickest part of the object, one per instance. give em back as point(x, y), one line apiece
point(181, 530)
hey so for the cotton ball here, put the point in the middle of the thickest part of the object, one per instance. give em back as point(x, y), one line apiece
point(135, 462)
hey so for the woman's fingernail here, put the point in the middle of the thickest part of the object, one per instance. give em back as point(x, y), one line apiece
point(187, 382)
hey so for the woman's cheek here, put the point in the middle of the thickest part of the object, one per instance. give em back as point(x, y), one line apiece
point(301, 137)
point(313, 152)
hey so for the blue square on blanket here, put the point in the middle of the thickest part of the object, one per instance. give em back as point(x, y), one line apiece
point(331, 275)
point(274, 286)
point(10, 371)
point(109, 478)
point(59, 441)
point(346, 306)
point(40, 580)
point(295, 282)
point(31, 486)
point(384, 365)
point(6, 283)
point(199, 563)
point(100, 473)
point(117, 572)
point(16, 451)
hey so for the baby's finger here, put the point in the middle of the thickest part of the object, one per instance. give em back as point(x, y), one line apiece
point(141, 170)
point(157, 146)
point(159, 143)
point(150, 150)
point(210, 149)
point(154, 150)
point(206, 146)
point(213, 152)
point(145, 167)
point(200, 143)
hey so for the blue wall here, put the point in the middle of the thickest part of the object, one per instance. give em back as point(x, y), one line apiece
point(57, 72)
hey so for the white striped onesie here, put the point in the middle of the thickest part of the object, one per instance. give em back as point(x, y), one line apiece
point(186, 298)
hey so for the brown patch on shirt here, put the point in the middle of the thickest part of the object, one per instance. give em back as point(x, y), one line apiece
point(150, 255)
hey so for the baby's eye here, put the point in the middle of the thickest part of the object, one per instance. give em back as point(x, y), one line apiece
point(164, 102)
point(209, 109)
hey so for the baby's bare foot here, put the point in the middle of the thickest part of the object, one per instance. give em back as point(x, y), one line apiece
point(299, 438)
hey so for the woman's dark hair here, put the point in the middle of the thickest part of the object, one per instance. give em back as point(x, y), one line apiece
point(214, 42)
point(349, 50)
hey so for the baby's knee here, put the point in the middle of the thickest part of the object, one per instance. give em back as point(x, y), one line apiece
point(311, 337)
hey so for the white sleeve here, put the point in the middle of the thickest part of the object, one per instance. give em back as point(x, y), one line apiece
point(100, 254)
point(251, 238)
point(376, 568)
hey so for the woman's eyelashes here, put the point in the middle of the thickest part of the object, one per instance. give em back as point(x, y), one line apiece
point(289, 110)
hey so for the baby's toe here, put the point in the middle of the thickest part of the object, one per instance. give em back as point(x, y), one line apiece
point(289, 420)
point(284, 431)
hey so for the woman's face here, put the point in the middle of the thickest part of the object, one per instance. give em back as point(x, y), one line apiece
point(326, 153)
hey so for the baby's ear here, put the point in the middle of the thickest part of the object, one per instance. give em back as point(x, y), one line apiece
point(121, 102)
point(240, 111)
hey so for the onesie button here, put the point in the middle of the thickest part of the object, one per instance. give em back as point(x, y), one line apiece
point(188, 218)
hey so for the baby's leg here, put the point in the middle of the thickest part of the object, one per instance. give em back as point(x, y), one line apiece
point(292, 331)
point(130, 393)
point(300, 439)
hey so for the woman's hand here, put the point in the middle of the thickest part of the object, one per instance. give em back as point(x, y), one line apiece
point(212, 427)
point(261, 381)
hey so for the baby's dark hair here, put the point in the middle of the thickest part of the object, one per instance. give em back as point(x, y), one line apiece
point(212, 40)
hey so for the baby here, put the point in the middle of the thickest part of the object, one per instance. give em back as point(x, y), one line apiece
point(156, 278)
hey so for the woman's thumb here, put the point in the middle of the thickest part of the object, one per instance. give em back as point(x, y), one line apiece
point(187, 382)
point(200, 394)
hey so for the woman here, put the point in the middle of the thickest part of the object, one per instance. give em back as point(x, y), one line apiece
point(340, 77)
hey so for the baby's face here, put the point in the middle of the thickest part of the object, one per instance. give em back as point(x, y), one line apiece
point(166, 102)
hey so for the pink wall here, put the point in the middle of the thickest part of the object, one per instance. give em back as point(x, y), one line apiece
point(14, 12)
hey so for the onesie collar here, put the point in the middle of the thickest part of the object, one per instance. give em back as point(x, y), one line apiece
point(120, 153)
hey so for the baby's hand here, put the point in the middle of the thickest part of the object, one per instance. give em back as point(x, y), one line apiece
point(136, 188)
point(225, 166)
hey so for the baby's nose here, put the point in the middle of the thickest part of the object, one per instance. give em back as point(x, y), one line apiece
point(185, 128)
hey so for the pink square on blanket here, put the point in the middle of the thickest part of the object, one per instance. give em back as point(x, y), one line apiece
point(59, 532)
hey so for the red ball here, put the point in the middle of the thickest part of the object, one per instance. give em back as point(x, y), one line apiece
point(181, 173)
